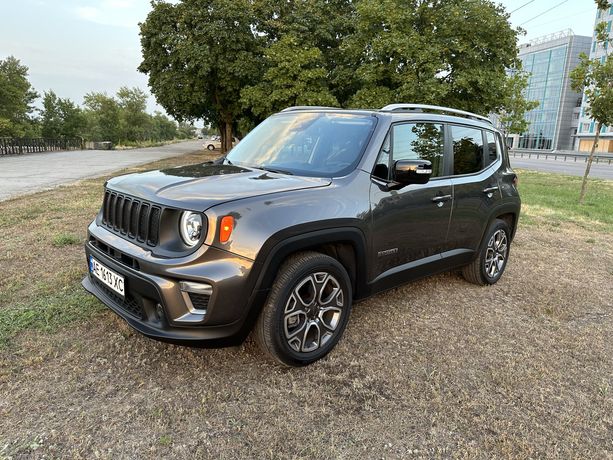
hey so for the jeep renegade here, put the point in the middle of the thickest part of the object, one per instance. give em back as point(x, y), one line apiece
point(315, 209)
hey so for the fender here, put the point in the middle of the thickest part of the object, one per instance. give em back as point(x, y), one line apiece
point(299, 238)
point(294, 239)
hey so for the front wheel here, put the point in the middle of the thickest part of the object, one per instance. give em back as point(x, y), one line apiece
point(306, 311)
point(489, 266)
point(211, 147)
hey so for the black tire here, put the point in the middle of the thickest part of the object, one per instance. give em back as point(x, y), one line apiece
point(211, 147)
point(487, 268)
point(300, 274)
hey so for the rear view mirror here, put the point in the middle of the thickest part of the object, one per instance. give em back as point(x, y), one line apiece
point(412, 172)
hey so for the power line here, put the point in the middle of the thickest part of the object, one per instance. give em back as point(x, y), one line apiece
point(544, 12)
point(582, 13)
point(525, 4)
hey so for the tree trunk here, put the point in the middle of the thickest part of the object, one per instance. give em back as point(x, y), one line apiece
point(228, 137)
point(225, 130)
point(222, 136)
point(589, 163)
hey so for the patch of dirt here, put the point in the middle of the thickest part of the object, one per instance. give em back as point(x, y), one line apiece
point(435, 369)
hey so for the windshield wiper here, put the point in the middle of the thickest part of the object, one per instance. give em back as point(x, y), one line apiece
point(274, 170)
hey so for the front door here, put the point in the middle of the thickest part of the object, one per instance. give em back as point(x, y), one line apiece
point(409, 226)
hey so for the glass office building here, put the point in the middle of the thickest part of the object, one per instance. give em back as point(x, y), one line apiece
point(587, 126)
point(549, 61)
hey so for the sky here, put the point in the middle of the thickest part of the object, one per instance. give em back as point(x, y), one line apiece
point(77, 46)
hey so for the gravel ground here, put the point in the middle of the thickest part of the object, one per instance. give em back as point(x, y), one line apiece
point(435, 369)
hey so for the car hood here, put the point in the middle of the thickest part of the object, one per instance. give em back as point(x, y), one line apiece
point(200, 186)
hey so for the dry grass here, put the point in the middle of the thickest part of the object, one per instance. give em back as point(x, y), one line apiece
point(435, 369)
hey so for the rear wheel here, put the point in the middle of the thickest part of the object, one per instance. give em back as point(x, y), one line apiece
point(306, 311)
point(489, 266)
point(210, 147)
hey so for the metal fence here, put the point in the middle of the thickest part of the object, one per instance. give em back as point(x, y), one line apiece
point(19, 145)
point(566, 155)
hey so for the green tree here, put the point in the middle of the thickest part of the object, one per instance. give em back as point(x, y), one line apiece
point(186, 130)
point(296, 76)
point(51, 122)
point(514, 105)
point(16, 98)
point(61, 117)
point(135, 123)
point(595, 79)
point(198, 55)
point(321, 25)
point(103, 117)
point(452, 53)
point(163, 129)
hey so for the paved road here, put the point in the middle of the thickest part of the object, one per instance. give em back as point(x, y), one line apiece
point(21, 174)
point(601, 170)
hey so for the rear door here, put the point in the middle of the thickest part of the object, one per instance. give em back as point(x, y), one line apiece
point(476, 164)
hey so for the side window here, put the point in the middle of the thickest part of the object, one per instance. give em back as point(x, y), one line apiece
point(419, 141)
point(467, 150)
point(492, 147)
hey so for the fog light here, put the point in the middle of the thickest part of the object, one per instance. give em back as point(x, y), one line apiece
point(197, 309)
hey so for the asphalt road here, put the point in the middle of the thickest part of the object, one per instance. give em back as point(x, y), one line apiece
point(600, 170)
point(33, 172)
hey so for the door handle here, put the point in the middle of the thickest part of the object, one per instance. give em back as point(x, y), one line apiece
point(490, 189)
point(440, 199)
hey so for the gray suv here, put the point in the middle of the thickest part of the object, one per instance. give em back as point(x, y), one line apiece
point(316, 208)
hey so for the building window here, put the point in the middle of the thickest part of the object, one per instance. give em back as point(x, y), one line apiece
point(594, 46)
point(603, 59)
point(581, 128)
point(592, 124)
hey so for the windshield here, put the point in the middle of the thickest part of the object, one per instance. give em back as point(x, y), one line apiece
point(306, 144)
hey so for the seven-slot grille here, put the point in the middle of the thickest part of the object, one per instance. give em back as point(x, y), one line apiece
point(136, 219)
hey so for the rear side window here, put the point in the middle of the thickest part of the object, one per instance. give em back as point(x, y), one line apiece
point(467, 150)
point(492, 147)
point(419, 141)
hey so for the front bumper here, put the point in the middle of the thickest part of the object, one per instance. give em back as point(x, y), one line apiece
point(154, 303)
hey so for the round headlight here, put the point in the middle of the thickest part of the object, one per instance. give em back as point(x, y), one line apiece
point(191, 227)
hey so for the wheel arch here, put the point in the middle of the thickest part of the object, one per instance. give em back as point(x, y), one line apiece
point(345, 244)
point(337, 241)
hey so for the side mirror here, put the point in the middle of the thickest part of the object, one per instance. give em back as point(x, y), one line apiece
point(412, 172)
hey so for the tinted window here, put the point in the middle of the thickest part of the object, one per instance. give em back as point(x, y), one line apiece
point(467, 150)
point(303, 143)
point(492, 147)
point(419, 141)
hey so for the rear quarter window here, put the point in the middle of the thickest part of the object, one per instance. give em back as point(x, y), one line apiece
point(467, 150)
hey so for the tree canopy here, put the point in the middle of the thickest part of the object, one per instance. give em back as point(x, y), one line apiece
point(61, 117)
point(16, 99)
point(227, 61)
point(198, 55)
point(514, 105)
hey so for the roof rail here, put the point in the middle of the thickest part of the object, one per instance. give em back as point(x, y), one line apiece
point(307, 107)
point(423, 107)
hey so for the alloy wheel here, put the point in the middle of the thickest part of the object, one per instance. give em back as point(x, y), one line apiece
point(313, 312)
point(496, 253)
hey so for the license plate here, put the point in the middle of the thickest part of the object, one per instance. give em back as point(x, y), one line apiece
point(113, 280)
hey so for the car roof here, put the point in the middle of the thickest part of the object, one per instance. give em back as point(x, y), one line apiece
point(400, 112)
